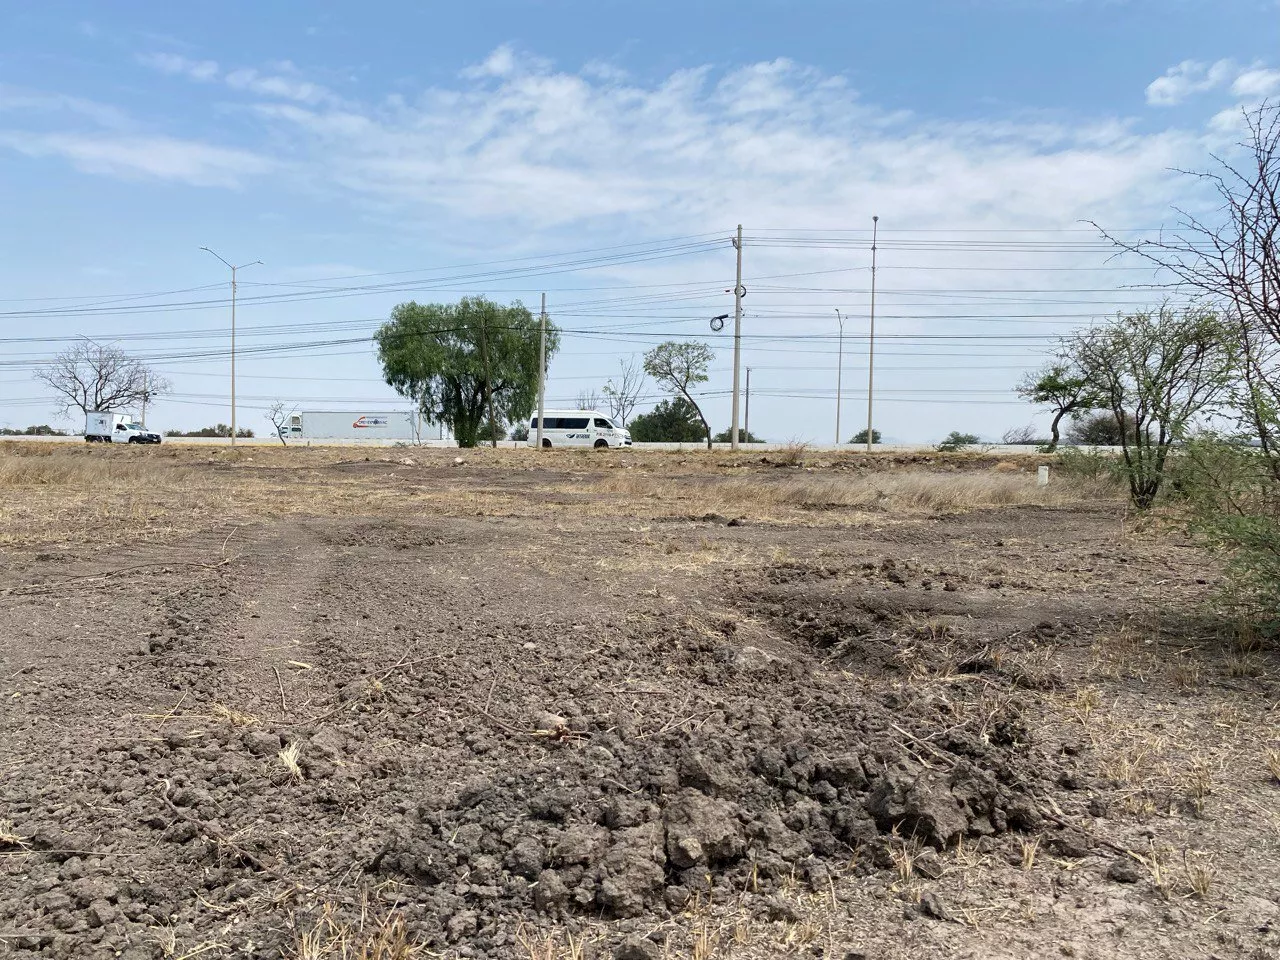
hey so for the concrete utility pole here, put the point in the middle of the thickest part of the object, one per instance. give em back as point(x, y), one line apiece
point(542, 369)
point(737, 340)
point(145, 395)
point(746, 427)
point(871, 356)
point(839, 372)
point(233, 335)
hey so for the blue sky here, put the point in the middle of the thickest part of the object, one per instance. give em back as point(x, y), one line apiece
point(397, 142)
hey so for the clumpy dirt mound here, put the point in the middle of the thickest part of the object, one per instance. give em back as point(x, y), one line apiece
point(619, 823)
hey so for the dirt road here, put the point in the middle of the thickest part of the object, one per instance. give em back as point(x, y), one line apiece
point(523, 710)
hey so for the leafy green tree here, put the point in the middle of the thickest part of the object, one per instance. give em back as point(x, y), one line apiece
point(458, 361)
point(955, 441)
point(1064, 390)
point(520, 431)
point(861, 436)
point(744, 436)
point(671, 421)
point(679, 366)
point(1158, 370)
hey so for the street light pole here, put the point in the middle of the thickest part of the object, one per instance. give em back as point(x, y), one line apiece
point(871, 355)
point(839, 373)
point(737, 340)
point(233, 334)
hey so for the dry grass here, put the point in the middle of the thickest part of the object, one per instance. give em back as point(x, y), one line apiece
point(289, 758)
point(903, 490)
point(234, 717)
point(365, 938)
point(9, 836)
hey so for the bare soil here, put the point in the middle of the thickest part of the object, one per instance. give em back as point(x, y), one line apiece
point(509, 705)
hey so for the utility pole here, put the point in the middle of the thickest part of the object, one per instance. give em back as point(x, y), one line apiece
point(871, 355)
point(747, 425)
point(737, 340)
point(839, 373)
point(145, 395)
point(233, 335)
point(488, 384)
point(542, 369)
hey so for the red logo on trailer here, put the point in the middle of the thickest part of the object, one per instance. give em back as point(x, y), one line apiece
point(365, 422)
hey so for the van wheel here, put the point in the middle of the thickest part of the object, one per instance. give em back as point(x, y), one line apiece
point(600, 444)
point(546, 444)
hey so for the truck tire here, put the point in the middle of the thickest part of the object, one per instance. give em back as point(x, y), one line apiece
point(601, 444)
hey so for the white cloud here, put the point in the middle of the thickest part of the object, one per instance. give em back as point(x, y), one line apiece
point(1187, 78)
point(278, 87)
point(138, 157)
point(16, 99)
point(1257, 82)
point(500, 63)
point(172, 63)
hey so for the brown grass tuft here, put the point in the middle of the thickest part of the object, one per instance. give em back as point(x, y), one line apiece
point(365, 938)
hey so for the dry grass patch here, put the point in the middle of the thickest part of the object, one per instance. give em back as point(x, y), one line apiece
point(904, 490)
point(365, 938)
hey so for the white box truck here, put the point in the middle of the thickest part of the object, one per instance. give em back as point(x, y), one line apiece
point(383, 425)
point(103, 426)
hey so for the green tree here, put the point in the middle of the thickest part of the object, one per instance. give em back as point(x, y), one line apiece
point(1064, 390)
point(861, 436)
point(744, 436)
point(456, 361)
point(671, 421)
point(679, 367)
point(955, 441)
point(1157, 370)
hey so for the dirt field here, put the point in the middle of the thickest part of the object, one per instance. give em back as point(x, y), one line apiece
point(301, 703)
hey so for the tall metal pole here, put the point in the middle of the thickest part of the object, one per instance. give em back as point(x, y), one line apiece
point(233, 356)
point(233, 269)
point(871, 355)
point(737, 340)
point(839, 373)
point(144, 397)
point(542, 370)
point(746, 427)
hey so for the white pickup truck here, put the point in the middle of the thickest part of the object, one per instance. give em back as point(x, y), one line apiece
point(102, 426)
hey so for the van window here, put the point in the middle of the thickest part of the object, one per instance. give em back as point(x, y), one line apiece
point(574, 423)
point(602, 422)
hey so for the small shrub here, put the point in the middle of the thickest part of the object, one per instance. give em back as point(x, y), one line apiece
point(956, 441)
point(1088, 463)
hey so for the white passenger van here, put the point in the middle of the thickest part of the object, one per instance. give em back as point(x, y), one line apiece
point(578, 428)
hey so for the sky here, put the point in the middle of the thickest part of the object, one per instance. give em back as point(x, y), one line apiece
point(604, 153)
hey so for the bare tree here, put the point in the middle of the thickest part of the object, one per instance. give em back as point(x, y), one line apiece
point(1015, 436)
point(1157, 371)
point(90, 376)
point(623, 394)
point(279, 418)
point(1235, 262)
point(588, 400)
point(679, 366)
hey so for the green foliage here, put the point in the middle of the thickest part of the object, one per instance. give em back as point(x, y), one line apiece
point(40, 430)
point(956, 441)
point(1233, 495)
point(219, 430)
point(671, 421)
point(679, 366)
point(448, 358)
point(1158, 369)
point(520, 431)
point(1063, 388)
point(861, 436)
point(1089, 463)
point(725, 436)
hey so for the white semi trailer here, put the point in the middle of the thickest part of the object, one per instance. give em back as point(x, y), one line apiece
point(103, 426)
point(388, 425)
